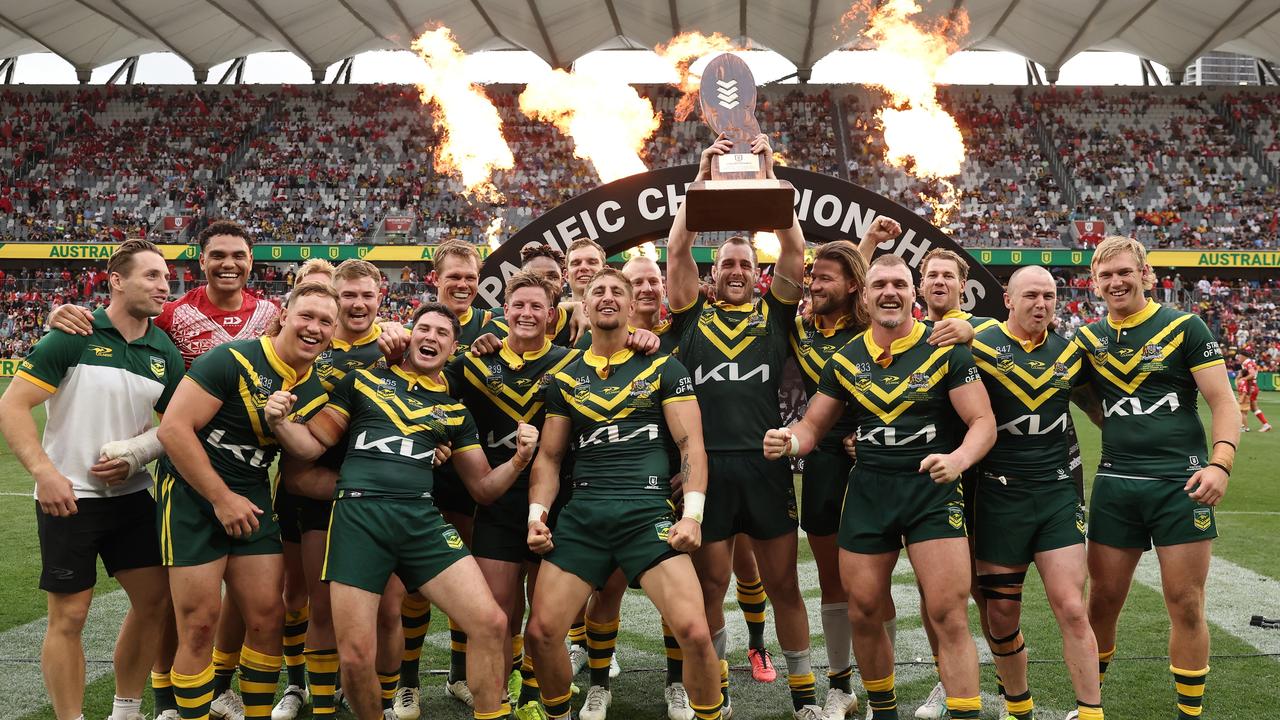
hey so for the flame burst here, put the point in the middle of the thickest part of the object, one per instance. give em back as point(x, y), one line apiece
point(643, 250)
point(921, 137)
point(493, 233)
point(472, 144)
point(767, 245)
point(681, 52)
point(607, 119)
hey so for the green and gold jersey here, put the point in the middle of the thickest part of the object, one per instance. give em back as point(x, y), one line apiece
point(474, 323)
point(243, 374)
point(666, 338)
point(812, 347)
point(735, 354)
point(558, 334)
point(1143, 369)
point(615, 406)
point(978, 322)
point(503, 390)
point(900, 405)
point(395, 420)
point(343, 357)
point(1030, 387)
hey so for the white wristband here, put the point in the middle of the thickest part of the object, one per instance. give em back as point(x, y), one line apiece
point(694, 503)
point(536, 512)
point(793, 447)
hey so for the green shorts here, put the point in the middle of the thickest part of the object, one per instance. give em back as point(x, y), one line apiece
point(191, 534)
point(1018, 518)
point(881, 509)
point(1138, 512)
point(822, 489)
point(748, 494)
point(595, 536)
point(372, 537)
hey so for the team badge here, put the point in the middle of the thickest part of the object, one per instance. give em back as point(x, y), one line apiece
point(387, 389)
point(157, 367)
point(493, 380)
point(1080, 524)
point(955, 517)
point(663, 528)
point(1004, 359)
point(1100, 350)
point(452, 539)
point(1203, 518)
point(705, 317)
point(581, 389)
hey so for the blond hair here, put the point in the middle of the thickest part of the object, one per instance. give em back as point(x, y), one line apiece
point(319, 266)
point(944, 254)
point(527, 279)
point(1113, 245)
point(354, 269)
point(463, 251)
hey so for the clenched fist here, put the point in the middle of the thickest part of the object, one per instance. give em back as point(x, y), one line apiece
point(278, 406)
point(526, 442)
point(777, 442)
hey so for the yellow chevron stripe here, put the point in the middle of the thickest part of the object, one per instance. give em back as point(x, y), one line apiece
point(888, 397)
point(393, 416)
point(606, 404)
point(887, 416)
point(1035, 381)
point(1018, 392)
point(1131, 386)
point(1128, 366)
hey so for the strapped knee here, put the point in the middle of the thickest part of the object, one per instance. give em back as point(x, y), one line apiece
point(1002, 586)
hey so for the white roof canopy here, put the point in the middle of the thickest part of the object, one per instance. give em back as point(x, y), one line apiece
point(204, 33)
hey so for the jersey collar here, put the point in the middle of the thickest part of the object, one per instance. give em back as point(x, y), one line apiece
point(1137, 318)
point(465, 317)
point(374, 333)
point(422, 381)
point(956, 313)
point(896, 348)
point(604, 365)
point(844, 322)
point(1027, 345)
point(515, 360)
point(290, 377)
point(745, 307)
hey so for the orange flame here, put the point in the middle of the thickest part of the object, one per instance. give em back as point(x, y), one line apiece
point(920, 135)
point(767, 245)
point(681, 52)
point(607, 119)
point(644, 250)
point(472, 144)
point(493, 233)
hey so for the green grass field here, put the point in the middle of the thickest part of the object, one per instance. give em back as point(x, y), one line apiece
point(1243, 684)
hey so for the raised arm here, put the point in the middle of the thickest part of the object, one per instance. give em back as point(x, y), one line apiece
point(487, 484)
point(682, 269)
point(790, 266)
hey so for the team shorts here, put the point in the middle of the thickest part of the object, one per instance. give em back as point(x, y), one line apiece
point(450, 494)
point(313, 515)
point(501, 530)
point(120, 530)
point(372, 537)
point(286, 507)
point(822, 490)
point(884, 509)
point(748, 494)
point(1138, 512)
point(1018, 518)
point(1248, 395)
point(595, 536)
point(191, 534)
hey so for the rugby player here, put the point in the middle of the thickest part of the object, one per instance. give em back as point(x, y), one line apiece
point(908, 399)
point(1247, 390)
point(220, 439)
point(735, 348)
point(101, 390)
point(1027, 508)
point(623, 409)
point(384, 522)
point(502, 391)
point(549, 263)
point(1149, 363)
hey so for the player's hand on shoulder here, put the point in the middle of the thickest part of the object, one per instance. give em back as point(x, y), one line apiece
point(540, 537)
point(951, 331)
point(776, 443)
point(1208, 485)
point(239, 516)
point(643, 341)
point(486, 344)
point(71, 319)
point(54, 493)
point(942, 468)
point(278, 406)
point(685, 535)
point(578, 322)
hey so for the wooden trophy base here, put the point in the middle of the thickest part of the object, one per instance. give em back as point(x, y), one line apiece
point(741, 204)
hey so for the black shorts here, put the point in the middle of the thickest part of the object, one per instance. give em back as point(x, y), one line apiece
point(121, 530)
point(286, 507)
point(450, 494)
point(313, 515)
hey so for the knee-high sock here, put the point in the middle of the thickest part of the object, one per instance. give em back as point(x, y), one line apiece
point(224, 668)
point(968, 708)
point(162, 690)
point(1190, 687)
point(457, 653)
point(388, 683)
point(259, 675)
point(322, 678)
point(839, 635)
point(800, 678)
point(295, 642)
point(415, 618)
point(193, 693)
point(752, 600)
point(882, 698)
point(602, 638)
point(675, 656)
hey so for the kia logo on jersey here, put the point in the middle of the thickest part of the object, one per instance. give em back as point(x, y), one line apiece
point(232, 320)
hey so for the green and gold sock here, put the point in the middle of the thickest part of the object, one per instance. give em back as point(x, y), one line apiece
point(415, 620)
point(881, 698)
point(969, 708)
point(295, 642)
point(322, 679)
point(193, 693)
point(259, 675)
point(1190, 687)
point(224, 669)
point(601, 641)
point(752, 600)
point(162, 690)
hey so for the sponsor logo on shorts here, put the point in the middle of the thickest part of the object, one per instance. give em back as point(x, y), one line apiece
point(157, 366)
point(955, 516)
point(663, 528)
point(1203, 518)
point(1080, 523)
point(452, 539)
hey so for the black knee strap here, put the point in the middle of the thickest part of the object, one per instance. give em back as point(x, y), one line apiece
point(1002, 579)
point(1008, 639)
point(1021, 647)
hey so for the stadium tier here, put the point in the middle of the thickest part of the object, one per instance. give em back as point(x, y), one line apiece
point(1176, 167)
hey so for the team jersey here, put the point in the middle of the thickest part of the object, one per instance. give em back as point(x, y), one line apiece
point(978, 322)
point(104, 389)
point(503, 390)
point(666, 338)
point(1251, 383)
point(1030, 385)
point(243, 374)
point(474, 323)
point(343, 357)
point(812, 347)
point(558, 334)
point(615, 405)
point(735, 354)
point(196, 325)
point(1143, 369)
point(901, 409)
point(395, 420)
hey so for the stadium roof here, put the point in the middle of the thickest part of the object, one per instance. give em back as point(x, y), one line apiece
point(204, 33)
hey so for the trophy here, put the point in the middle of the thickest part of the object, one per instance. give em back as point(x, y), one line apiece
point(738, 196)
